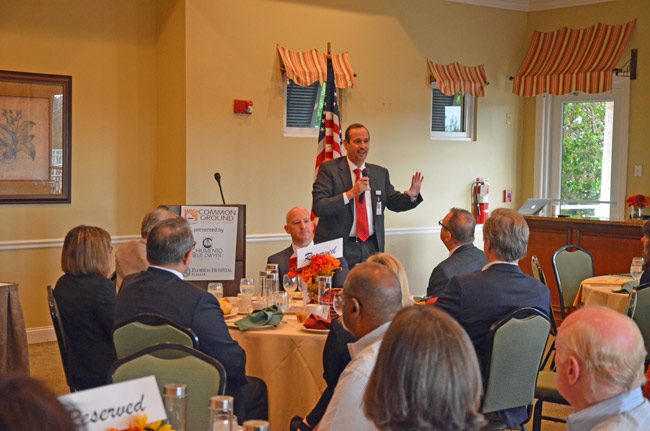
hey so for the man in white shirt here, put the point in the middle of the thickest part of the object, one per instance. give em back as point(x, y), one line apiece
point(599, 359)
point(372, 297)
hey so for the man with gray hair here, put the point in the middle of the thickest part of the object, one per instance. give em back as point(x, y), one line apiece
point(480, 299)
point(371, 298)
point(457, 234)
point(599, 360)
point(161, 290)
point(131, 257)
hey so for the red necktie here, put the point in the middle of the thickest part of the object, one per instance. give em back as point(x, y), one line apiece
point(363, 232)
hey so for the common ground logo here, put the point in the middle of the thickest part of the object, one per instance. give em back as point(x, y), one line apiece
point(192, 216)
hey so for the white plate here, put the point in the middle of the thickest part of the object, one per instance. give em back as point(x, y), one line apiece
point(315, 331)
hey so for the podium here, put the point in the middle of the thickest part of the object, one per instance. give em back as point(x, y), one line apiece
point(230, 287)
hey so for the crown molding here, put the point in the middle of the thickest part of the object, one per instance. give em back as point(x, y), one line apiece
point(529, 5)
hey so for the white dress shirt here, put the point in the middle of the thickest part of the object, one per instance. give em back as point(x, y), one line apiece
point(345, 411)
point(367, 200)
point(173, 271)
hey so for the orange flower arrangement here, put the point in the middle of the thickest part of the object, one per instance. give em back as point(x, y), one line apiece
point(321, 264)
point(139, 423)
point(639, 201)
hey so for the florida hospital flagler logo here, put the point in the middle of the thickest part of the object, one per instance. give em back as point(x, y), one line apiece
point(191, 215)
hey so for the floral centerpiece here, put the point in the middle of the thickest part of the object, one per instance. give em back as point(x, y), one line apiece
point(319, 265)
point(637, 203)
point(139, 423)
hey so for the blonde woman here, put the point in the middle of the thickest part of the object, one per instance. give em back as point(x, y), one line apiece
point(391, 262)
point(86, 300)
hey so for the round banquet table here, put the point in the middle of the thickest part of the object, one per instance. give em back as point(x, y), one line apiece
point(290, 361)
point(599, 291)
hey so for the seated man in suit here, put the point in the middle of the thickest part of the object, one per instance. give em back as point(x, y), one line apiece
point(457, 234)
point(301, 229)
point(479, 299)
point(161, 289)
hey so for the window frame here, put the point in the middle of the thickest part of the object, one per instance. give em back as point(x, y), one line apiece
point(301, 132)
point(548, 142)
point(471, 108)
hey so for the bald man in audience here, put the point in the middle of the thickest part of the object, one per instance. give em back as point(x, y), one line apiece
point(599, 361)
point(371, 298)
point(457, 234)
point(301, 228)
point(131, 257)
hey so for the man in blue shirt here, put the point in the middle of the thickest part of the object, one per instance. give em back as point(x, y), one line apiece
point(599, 359)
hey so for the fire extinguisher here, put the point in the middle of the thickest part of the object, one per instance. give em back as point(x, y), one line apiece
point(480, 191)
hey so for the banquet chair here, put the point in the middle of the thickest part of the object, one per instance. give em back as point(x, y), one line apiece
point(148, 329)
point(538, 273)
point(517, 346)
point(61, 338)
point(546, 391)
point(641, 313)
point(204, 376)
point(570, 269)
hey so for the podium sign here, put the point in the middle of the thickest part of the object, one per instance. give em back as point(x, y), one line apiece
point(215, 233)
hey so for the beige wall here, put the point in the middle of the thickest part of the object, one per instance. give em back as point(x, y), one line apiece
point(109, 49)
point(231, 54)
point(617, 12)
point(153, 88)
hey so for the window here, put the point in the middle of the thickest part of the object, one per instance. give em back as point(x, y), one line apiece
point(303, 109)
point(452, 117)
point(581, 151)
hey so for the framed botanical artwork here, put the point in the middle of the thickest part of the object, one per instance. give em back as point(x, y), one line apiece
point(35, 140)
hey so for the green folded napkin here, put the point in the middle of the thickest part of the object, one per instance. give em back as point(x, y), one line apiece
point(270, 316)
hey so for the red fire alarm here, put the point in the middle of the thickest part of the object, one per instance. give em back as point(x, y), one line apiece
point(243, 106)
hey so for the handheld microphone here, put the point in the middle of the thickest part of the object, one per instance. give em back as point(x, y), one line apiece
point(362, 196)
point(217, 177)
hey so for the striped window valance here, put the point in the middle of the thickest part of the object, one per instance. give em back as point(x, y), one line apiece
point(454, 77)
point(568, 60)
point(305, 68)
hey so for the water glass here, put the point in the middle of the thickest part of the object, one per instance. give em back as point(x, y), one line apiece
point(338, 302)
point(636, 269)
point(247, 285)
point(283, 301)
point(216, 289)
point(324, 288)
point(289, 283)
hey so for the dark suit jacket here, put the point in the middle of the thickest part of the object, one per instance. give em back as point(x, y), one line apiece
point(87, 305)
point(467, 258)
point(479, 299)
point(159, 291)
point(645, 277)
point(282, 259)
point(336, 218)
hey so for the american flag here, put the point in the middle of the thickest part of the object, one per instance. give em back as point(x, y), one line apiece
point(329, 136)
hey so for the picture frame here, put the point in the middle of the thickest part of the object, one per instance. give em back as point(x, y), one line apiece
point(35, 138)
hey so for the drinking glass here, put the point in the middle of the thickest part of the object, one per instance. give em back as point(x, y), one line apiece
point(216, 289)
point(247, 285)
point(636, 269)
point(338, 303)
point(289, 283)
point(324, 287)
point(283, 301)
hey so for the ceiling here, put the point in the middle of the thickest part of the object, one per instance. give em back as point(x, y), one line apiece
point(530, 5)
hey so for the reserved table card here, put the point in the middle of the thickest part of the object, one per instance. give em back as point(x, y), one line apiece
point(115, 406)
point(333, 247)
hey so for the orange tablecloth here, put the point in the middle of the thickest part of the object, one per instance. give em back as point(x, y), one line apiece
point(598, 291)
point(290, 361)
point(13, 337)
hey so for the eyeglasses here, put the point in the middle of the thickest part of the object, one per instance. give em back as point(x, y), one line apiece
point(442, 224)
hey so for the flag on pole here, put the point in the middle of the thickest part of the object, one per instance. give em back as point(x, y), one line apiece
point(329, 136)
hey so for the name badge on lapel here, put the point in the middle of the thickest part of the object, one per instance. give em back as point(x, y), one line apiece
point(378, 194)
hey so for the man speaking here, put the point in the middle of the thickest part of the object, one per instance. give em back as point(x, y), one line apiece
point(350, 196)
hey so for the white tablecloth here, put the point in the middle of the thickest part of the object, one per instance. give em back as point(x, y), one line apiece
point(290, 361)
point(598, 291)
